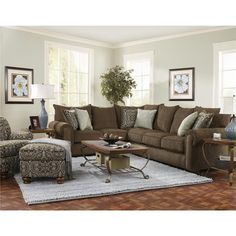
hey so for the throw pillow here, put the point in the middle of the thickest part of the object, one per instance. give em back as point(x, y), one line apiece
point(145, 118)
point(187, 124)
point(128, 118)
point(70, 118)
point(203, 120)
point(83, 119)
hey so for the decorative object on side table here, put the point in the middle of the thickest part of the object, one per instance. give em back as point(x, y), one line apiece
point(42, 91)
point(34, 122)
point(117, 84)
point(181, 84)
point(230, 129)
point(17, 85)
point(111, 139)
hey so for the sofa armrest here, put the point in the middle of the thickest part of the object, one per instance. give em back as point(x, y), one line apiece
point(22, 135)
point(63, 130)
point(199, 134)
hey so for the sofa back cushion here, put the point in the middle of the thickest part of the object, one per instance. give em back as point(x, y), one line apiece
point(104, 118)
point(179, 116)
point(220, 121)
point(59, 111)
point(165, 117)
point(209, 110)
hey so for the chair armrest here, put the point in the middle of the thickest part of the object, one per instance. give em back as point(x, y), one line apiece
point(199, 134)
point(63, 130)
point(22, 135)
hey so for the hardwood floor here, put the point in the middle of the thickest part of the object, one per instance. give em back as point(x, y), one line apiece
point(217, 195)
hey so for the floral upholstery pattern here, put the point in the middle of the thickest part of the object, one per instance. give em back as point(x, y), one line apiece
point(42, 160)
point(5, 129)
point(10, 144)
point(21, 135)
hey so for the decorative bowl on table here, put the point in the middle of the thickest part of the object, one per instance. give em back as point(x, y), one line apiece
point(111, 139)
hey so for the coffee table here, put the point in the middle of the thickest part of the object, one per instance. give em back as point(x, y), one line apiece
point(110, 152)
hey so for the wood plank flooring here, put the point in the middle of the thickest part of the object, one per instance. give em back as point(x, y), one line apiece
point(211, 196)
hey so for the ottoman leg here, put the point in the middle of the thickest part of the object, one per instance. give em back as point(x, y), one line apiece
point(26, 180)
point(60, 180)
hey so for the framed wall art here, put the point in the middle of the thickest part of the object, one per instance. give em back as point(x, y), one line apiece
point(17, 85)
point(181, 84)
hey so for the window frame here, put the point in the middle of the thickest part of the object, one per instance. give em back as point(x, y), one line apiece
point(139, 56)
point(48, 44)
point(218, 50)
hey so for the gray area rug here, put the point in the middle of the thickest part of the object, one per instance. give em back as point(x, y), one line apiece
point(89, 181)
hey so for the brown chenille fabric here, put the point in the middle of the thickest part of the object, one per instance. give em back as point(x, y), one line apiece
point(208, 110)
point(165, 117)
point(179, 116)
point(104, 118)
point(59, 111)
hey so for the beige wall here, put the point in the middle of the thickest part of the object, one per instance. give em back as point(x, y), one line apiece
point(24, 49)
point(189, 51)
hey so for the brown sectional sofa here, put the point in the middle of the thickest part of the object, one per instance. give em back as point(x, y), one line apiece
point(164, 144)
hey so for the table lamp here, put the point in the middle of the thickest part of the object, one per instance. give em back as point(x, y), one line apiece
point(230, 129)
point(42, 91)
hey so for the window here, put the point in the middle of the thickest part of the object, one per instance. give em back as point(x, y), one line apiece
point(225, 75)
point(142, 64)
point(68, 68)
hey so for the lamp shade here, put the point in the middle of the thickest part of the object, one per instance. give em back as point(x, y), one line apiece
point(42, 91)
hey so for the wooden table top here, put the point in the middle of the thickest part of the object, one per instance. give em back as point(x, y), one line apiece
point(220, 141)
point(42, 130)
point(101, 146)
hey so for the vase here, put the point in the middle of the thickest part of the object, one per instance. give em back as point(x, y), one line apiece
point(43, 116)
point(230, 129)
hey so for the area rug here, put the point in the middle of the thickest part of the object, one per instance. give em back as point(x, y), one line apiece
point(89, 181)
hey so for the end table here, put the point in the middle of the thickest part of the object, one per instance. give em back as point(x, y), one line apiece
point(48, 131)
point(231, 145)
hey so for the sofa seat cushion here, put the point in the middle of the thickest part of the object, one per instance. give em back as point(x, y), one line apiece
point(104, 118)
point(87, 135)
point(120, 132)
point(136, 134)
point(173, 143)
point(11, 147)
point(154, 138)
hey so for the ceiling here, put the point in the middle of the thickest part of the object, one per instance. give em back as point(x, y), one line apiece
point(115, 35)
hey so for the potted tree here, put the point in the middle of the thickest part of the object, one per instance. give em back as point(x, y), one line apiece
point(117, 83)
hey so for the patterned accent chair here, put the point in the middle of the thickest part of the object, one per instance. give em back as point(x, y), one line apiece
point(10, 144)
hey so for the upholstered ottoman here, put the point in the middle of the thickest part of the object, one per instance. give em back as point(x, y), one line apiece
point(42, 160)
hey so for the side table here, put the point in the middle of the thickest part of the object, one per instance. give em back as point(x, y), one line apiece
point(48, 131)
point(231, 145)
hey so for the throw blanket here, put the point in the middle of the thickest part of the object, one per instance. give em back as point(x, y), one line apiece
point(65, 145)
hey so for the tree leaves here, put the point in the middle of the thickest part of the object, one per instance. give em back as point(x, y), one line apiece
point(117, 84)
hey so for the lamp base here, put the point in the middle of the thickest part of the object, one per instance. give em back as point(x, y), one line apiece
point(43, 116)
point(230, 129)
